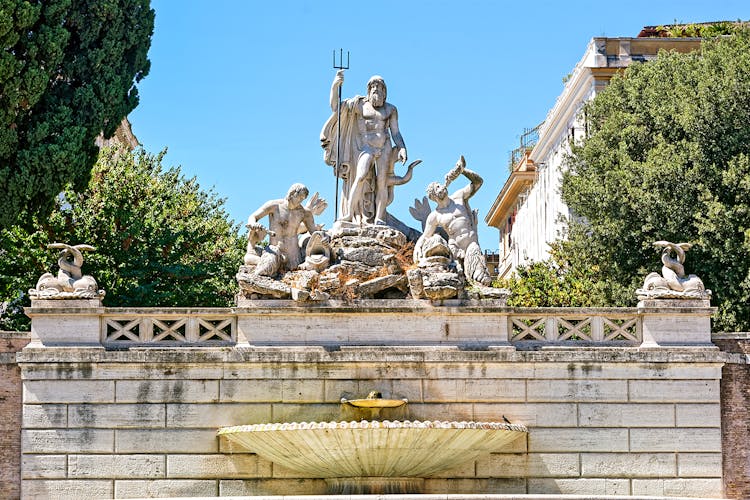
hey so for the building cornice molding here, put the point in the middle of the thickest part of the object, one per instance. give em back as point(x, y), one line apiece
point(517, 182)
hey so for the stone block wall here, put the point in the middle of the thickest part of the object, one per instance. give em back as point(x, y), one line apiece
point(735, 414)
point(10, 413)
point(142, 422)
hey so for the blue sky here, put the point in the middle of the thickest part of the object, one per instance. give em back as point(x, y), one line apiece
point(238, 90)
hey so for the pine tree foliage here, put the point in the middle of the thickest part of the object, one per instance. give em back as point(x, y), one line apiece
point(68, 70)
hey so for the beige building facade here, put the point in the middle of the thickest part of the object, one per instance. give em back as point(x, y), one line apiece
point(529, 211)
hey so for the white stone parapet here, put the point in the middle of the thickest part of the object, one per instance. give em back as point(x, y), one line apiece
point(462, 323)
point(65, 322)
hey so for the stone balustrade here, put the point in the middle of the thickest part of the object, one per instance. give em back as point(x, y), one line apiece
point(163, 327)
point(468, 324)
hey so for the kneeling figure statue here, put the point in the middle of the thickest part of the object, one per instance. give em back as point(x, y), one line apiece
point(287, 217)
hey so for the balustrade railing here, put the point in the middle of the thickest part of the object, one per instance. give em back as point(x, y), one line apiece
point(168, 329)
point(571, 326)
point(524, 325)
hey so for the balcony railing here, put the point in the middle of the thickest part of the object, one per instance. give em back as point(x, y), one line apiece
point(528, 140)
point(576, 326)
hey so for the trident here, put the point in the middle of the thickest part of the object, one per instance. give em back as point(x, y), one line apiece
point(340, 65)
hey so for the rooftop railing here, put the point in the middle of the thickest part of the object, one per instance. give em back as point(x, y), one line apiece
point(528, 139)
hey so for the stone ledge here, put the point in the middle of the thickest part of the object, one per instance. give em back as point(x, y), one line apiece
point(373, 305)
point(171, 311)
point(736, 358)
point(60, 311)
point(459, 496)
point(317, 354)
point(7, 358)
point(731, 336)
point(675, 302)
point(14, 335)
point(686, 311)
point(63, 303)
point(358, 306)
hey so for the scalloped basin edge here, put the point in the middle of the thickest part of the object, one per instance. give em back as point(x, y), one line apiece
point(396, 449)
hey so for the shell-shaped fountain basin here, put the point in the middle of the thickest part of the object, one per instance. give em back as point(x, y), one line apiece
point(374, 402)
point(382, 449)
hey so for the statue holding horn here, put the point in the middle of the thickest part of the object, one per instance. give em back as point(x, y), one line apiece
point(454, 215)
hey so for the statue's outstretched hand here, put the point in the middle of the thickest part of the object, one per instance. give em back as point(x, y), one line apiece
point(402, 155)
point(259, 229)
point(316, 204)
point(455, 171)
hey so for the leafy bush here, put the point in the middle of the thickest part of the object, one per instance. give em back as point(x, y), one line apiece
point(160, 240)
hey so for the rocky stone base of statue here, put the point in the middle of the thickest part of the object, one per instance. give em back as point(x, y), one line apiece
point(478, 291)
point(367, 262)
point(436, 280)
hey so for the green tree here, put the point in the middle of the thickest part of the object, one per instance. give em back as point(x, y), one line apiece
point(160, 240)
point(666, 159)
point(554, 283)
point(68, 70)
point(702, 30)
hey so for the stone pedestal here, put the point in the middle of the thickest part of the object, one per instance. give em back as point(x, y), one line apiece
point(65, 321)
point(463, 323)
point(671, 322)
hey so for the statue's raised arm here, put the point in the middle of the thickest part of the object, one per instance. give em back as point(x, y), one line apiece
point(475, 180)
point(454, 215)
point(338, 81)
